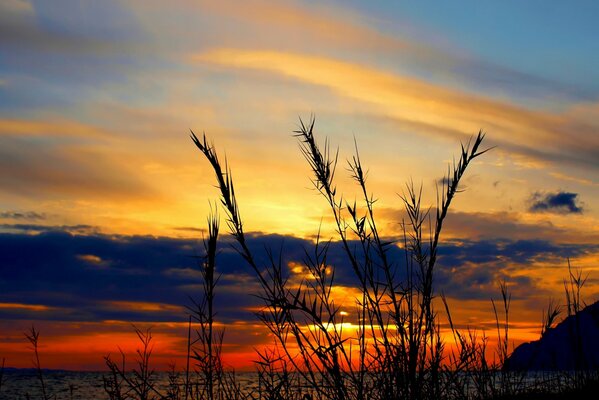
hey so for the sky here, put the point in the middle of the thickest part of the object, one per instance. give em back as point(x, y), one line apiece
point(104, 198)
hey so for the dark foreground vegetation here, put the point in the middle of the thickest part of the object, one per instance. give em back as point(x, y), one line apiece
point(395, 350)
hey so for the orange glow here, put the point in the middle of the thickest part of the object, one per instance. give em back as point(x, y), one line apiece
point(90, 258)
point(31, 307)
point(144, 306)
point(54, 128)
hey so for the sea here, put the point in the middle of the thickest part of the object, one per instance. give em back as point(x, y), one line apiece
point(16, 384)
point(24, 384)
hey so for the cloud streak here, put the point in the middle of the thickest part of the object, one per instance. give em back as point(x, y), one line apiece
point(22, 215)
point(319, 27)
point(550, 137)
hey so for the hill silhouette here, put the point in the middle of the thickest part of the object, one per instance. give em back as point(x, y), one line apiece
point(571, 345)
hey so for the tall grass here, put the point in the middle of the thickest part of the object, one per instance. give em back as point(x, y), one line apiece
point(138, 382)
point(573, 287)
point(33, 338)
point(397, 351)
point(206, 347)
point(205, 377)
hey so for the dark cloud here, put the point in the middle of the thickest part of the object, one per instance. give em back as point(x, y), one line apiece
point(22, 215)
point(495, 225)
point(558, 202)
point(456, 252)
point(80, 229)
point(471, 269)
point(189, 229)
point(27, 36)
point(80, 277)
point(95, 277)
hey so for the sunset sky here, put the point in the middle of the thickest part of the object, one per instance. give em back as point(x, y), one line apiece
point(104, 198)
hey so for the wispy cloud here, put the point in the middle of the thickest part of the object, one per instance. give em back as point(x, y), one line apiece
point(550, 137)
point(22, 215)
point(35, 167)
point(22, 306)
point(51, 128)
point(327, 29)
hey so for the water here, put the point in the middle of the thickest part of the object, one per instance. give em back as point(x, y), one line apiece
point(72, 385)
point(65, 385)
point(17, 384)
point(76, 385)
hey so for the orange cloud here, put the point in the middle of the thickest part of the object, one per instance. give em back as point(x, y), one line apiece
point(51, 128)
point(90, 258)
point(144, 306)
point(534, 133)
point(21, 306)
point(337, 27)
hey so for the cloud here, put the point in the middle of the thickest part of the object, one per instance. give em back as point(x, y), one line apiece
point(558, 202)
point(32, 307)
point(90, 259)
point(94, 277)
point(97, 277)
point(50, 28)
point(494, 225)
point(53, 128)
point(328, 29)
point(432, 108)
point(22, 215)
point(471, 269)
point(34, 229)
point(76, 285)
point(61, 53)
point(35, 166)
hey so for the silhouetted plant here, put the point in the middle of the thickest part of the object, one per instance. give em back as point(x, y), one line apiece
point(276, 381)
point(573, 287)
point(2, 373)
point(550, 316)
point(207, 345)
point(33, 338)
point(139, 382)
point(399, 347)
point(175, 383)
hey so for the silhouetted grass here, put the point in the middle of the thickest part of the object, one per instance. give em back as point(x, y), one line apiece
point(33, 338)
point(138, 382)
point(399, 350)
